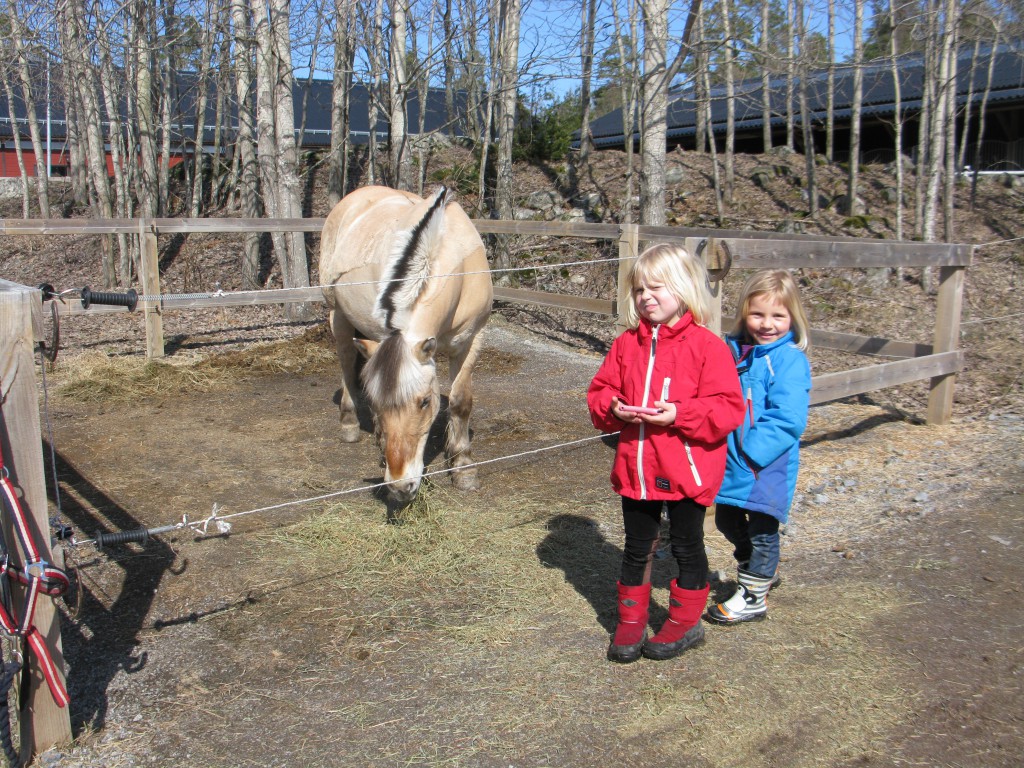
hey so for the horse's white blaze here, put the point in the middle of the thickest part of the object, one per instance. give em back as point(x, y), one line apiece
point(401, 260)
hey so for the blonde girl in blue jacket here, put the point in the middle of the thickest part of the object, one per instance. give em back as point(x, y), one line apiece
point(769, 343)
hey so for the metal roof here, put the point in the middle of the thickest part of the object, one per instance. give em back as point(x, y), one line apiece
point(878, 94)
point(312, 100)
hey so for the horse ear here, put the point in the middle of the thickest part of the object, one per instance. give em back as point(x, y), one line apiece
point(426, 349)
point(366, 347)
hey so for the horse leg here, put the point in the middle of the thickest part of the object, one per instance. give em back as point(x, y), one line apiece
point(343, 331)
point(460, 404)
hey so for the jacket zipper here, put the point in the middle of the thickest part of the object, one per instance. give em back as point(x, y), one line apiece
point(743, 428)
point(647, 388)
point(693, 465)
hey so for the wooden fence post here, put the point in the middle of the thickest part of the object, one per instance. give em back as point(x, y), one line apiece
point(150, 278)
point(42, 723)
point(947, 338)
point(629, 249)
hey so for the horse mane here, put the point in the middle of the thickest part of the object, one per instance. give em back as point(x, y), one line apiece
point(409, 265)
point(393, 375)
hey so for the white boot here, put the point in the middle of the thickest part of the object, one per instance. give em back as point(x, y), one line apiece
point(749, 603)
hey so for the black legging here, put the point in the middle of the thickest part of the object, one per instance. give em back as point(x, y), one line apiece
point(642, 521)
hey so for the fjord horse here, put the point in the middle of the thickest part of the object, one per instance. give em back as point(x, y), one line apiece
point(405, 278)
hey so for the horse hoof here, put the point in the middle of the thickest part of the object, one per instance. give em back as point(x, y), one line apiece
point(465, 481)
point(351, 434)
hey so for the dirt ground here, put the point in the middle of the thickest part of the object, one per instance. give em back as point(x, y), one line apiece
point(473, 634)
point(314, 633)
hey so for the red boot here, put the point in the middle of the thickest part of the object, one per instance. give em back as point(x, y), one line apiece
point(683, 628)
point(632, 627)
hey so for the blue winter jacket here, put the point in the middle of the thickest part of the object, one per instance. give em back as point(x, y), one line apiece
point(764, 452)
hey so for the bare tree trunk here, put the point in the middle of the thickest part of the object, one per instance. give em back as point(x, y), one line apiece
point(344, 51)
point(790, 65)
point(898, 117)
point(423, 150)
point(295, 270)
point(629, 79)
point(945, 36)
point(112, 96)
point(705, 76)
point(730, 99)
point(766, 78)
point(76, 52)
point(19, 36)
point(582, 160)
point(951, 40)
point(852, 181)
point(376, 56)
point(485, 195)
point(148, 183)
point(398, 138)
point(223, 85)
point(508, 85)
point(245, 149)
point(202, 97)
point(448, 24)
point(830, 99)
point(508, 90)
point(266, 131)
point(807, 130)
point(981, 111)
point(924, 121)
point(961, 156)
point(653, 113)
point(16, 136)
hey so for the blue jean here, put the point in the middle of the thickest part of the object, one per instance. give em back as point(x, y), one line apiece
point(755, 537)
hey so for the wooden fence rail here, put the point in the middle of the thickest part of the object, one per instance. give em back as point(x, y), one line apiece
point(722, 250)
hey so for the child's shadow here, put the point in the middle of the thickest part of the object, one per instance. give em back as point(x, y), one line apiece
point(577, 546)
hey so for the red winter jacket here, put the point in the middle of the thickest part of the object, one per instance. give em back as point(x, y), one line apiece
point(686, 459)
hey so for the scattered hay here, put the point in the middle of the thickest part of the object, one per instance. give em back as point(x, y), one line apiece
point(95, 377)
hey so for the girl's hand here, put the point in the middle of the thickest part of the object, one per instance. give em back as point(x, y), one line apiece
point(626, 416)
point(666, 418)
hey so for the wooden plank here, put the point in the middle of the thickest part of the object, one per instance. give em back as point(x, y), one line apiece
point(835, 386)
point(629, 249)
point(947, 335)
point(150, 279)
point(750, 250)
point(548, 299)
point(549, 228)
point(43, 724)
point(867, 345)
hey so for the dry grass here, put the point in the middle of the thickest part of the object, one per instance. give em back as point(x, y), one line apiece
point(509, 582)
point(97, 377)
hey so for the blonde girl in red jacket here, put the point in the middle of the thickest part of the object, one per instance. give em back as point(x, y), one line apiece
point(673, 451)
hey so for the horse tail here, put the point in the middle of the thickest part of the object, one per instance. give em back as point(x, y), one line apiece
point(409, 266)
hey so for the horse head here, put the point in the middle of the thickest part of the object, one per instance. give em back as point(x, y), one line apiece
point(400, 382)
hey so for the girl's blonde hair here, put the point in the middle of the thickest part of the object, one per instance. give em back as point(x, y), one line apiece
point(683, 275)
point(777, 285)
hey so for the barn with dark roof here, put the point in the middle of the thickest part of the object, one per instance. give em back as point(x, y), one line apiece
point(1003, 147)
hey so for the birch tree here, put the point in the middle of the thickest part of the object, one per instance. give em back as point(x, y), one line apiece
point(341, 91)
point(245, 142)
point(852, 179)
point(20, 37)
point(730, 101)
point(398, 88)
point(764, 48)
point(653, 112)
